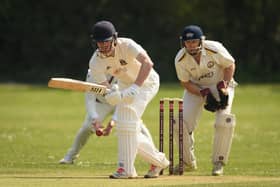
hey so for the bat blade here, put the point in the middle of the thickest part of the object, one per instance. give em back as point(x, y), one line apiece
point(77, 85)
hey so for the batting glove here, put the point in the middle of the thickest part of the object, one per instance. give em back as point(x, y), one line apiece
point(114, 87)
point(113, 97)
point(129, 94)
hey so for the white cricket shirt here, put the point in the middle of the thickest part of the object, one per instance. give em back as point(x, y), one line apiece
point(123, 65)
point(214, 58)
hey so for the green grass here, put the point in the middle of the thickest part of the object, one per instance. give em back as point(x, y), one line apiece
point(38, 124)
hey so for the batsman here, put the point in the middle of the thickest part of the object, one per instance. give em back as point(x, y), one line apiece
point(138, 83)
point(97, 110)
point(205, 69)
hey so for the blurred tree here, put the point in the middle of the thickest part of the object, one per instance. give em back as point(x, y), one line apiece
point(41, 39)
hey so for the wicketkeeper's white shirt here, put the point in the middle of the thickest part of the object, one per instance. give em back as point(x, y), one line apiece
point(214, 58)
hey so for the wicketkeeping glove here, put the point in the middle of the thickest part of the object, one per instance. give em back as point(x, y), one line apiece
point(223, 94)
point(211, 104)
point(129, 94)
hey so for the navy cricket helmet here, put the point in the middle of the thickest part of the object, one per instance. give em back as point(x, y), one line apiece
point(103, 31)
point(191, 32)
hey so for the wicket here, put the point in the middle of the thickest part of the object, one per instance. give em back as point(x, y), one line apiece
point(171, 131)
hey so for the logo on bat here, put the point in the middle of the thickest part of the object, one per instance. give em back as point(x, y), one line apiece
point(96, 90)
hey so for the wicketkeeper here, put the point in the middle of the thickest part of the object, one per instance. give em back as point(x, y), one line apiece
point(205, 69)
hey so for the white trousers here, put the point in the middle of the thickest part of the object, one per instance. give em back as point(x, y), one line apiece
point(192, 109)
point(128, 117)
point(86, 130)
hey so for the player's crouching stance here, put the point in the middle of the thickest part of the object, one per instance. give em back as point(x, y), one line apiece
point(97, 109)
point(205, 69)
point(138, 84)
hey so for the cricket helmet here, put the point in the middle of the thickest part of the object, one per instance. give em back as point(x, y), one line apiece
point(103, 31)
point(191, 32)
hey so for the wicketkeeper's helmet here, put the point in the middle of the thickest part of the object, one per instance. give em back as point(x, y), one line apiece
point(191, 32)
point(103, 31)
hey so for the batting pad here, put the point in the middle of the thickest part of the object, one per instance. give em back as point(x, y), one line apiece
point(149, 153)
point(224, 129)
point(128, 126)
point(146, 132)
point(188, 143)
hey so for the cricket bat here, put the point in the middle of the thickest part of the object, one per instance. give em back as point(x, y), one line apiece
point(77, 85)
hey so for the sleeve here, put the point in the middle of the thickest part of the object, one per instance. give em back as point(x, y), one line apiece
point(90, 100)
point(114, 116)
point(224, 57)
point(182, 73)
point(96, 71)
point(134, 49)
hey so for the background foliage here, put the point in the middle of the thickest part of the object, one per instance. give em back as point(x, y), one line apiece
point(42, 39)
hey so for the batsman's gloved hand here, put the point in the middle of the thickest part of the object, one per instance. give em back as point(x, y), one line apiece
point(130, 93)
point(114, 87)
point(223, 94)
point(211, 104)
point(114, 96)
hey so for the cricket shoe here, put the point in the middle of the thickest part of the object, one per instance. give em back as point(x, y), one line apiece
point(154, 171)
point(68, 160)
point(121, 174)
point(218, 169)
point(186, 167)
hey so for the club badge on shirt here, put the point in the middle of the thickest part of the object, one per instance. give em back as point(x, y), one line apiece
point(210, 64)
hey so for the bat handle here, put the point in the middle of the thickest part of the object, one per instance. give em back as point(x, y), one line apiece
point(108, 91)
